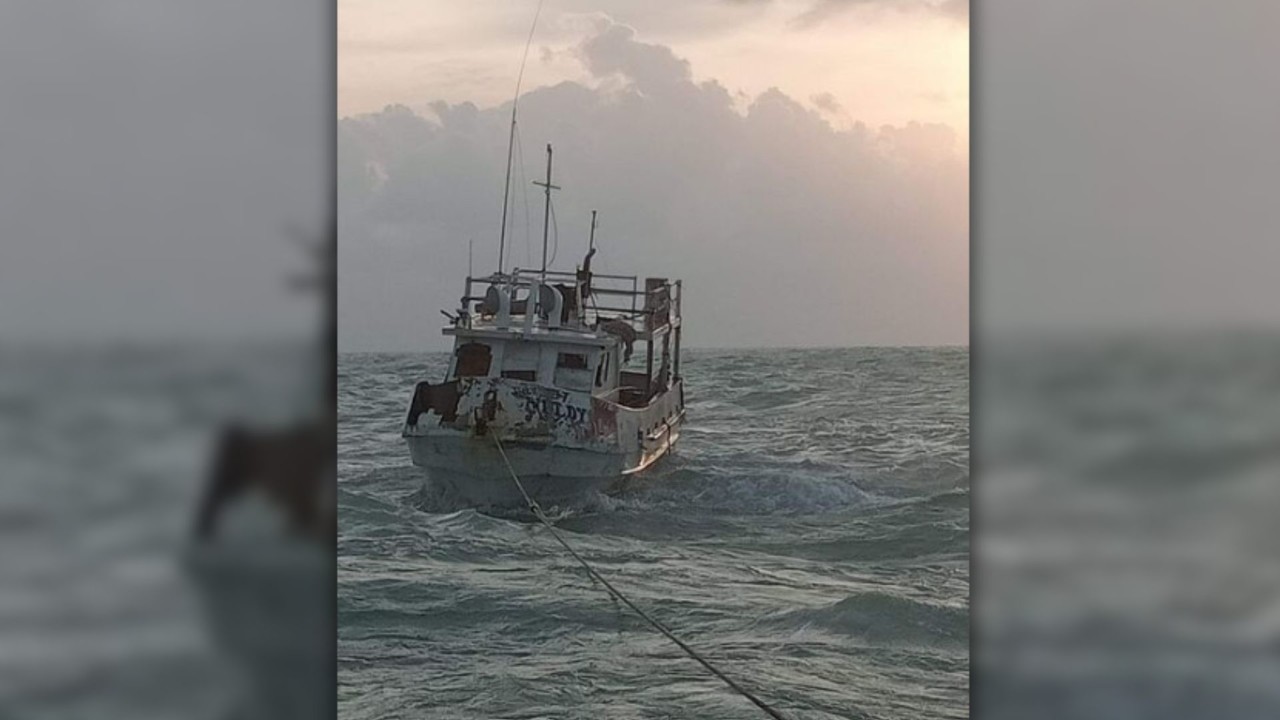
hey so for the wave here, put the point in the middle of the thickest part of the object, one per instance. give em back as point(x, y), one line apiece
point(886, 619)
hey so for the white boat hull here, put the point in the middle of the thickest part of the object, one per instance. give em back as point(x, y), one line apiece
point(563, 445)
point(470, 469)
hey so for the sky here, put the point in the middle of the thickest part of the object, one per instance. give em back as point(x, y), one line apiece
point(1127, 165)
point(160, 157)
point(802, 166)
point(158, 154)
point(874, 61)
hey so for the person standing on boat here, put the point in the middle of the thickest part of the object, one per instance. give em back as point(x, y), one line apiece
point(584, 277)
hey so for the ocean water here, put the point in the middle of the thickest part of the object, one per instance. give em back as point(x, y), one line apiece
point(809, 535)
point(103, 452)
point(1127, 559)
point(1125, 562)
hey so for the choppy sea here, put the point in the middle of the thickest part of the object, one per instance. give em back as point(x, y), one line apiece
point(809, 535)
point(1127, 559)
point(103, 454)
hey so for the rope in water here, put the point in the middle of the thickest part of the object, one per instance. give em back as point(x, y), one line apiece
point(537, 511)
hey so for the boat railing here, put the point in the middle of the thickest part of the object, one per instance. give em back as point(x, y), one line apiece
point(649, 307)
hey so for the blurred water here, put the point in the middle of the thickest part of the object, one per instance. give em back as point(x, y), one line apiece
point(810, 534)
point(1128, 559)
point(104, 452)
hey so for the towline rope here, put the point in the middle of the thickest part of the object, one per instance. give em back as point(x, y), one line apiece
point(537, 511)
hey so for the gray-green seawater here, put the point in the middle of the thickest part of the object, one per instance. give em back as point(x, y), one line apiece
point(809, 535)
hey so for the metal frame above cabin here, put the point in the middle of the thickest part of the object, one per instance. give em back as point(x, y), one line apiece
point(645, 303)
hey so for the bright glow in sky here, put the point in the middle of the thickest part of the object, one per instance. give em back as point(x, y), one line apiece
point(886, 62)
point(849, 179)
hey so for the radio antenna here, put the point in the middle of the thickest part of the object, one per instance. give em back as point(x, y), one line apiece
point(511, 140)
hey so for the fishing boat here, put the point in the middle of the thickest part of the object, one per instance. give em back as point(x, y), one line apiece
point(570, 380)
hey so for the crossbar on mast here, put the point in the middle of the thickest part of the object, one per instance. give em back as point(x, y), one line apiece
point(546, 213)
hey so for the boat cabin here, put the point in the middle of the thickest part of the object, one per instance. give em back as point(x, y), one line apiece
point(573, 331)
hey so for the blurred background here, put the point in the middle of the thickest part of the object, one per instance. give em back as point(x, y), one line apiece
point(165, 176)
point(1126, 360)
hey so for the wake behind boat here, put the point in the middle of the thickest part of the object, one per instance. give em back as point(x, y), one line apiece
point(542, 374)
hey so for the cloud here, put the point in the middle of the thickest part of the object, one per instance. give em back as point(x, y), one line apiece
point(822, 10)
point(958, 9)
point(649, 67)
point(827, 103)
point(787, 231)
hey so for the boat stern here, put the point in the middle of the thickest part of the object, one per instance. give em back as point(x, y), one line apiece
point(560, 444)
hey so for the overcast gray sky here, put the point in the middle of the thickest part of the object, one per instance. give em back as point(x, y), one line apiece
point(820, 212)
point(1127, 164)
point(153, 156)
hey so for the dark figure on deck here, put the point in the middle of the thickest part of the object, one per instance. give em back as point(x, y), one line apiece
point(584, 276)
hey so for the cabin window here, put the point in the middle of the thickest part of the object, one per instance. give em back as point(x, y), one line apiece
point(473, 360)
point(520, 362)
point(572, 361)
point(573, 372)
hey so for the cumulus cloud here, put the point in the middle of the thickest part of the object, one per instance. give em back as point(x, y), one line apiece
point(614, 50)
point(827, 102)
point(786, 230)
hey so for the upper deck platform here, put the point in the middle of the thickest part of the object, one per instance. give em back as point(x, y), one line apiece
point(562, 305)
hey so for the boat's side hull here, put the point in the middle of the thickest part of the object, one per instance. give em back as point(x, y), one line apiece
point(470, 469)
point(561, 445)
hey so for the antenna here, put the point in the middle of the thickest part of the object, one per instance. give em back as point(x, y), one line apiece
point(546, 213)
point(591, 242)
point(511, 140)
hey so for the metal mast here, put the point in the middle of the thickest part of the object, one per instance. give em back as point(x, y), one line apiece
point(506, 187)
point(546, 213)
